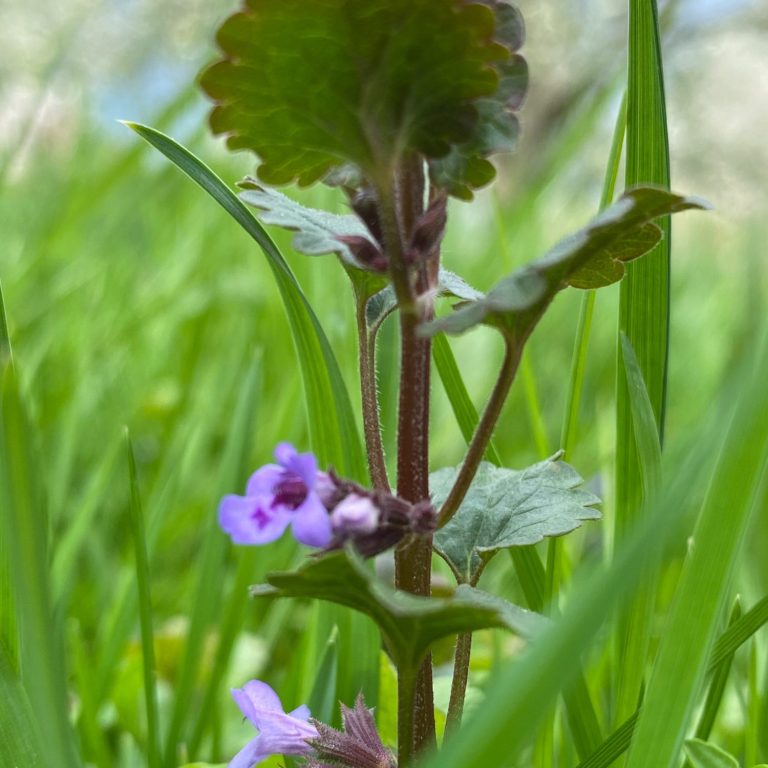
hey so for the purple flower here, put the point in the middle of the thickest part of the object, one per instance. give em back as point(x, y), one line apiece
point(278, 495)
point(279, 732)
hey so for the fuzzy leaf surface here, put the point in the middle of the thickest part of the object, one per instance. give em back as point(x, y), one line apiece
point(590, 258)
point(409, 624)
point(317, 232)
point(508, 508)
point(351, 82)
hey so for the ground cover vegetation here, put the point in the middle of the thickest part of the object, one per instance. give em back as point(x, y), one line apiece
point(430, 524)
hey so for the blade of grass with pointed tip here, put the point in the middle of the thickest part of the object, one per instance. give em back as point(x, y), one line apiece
point(145, 611)
point(332, 424)
point(644, 318)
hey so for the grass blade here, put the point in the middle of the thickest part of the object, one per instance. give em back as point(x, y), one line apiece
point(335, 436)
point(145, 611)
point(584, 327)
point(21, 743)
point(207, 593)
point(644, 319)
point(461, 403)
point(679, 670)
point(735, 636)
point(24, 533)
point(717, 686)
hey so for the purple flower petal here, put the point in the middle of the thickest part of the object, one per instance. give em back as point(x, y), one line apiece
point(284, 453)
point(250, 520)
point(255, 697)
point(252, 753)
point(311, 523)
point(264, 480)
point(279, 733)
point(301, 713)
point(305, 466)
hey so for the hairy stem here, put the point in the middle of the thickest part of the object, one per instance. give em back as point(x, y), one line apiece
point(370, 398)
point(483, 433)
point(459, 682)
point(400, 204)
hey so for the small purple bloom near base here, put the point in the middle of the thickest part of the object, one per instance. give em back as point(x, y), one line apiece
point(280, 732)
point(279, 495)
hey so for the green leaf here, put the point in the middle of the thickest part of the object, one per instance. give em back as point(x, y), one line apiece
point(409, 624)
point(317, 232)
point(705, 755)
point(465, 167)
point(644, 311)
point(591, 258)
point(332, 424)
point(508, 508)
point(350, 82)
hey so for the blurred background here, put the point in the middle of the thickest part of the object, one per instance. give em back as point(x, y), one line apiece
point(133, 299)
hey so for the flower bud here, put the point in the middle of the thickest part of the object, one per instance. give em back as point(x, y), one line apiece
point(355, 515)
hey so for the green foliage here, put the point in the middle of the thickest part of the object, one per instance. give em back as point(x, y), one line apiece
point(591, 258)
point(644, 316)
point(374, 90)
point(329, 411)
point(705, 755)
point(508, 508)
point(409, 624)
point(317, 232)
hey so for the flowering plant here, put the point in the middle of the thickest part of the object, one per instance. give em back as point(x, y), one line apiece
point(354, 95)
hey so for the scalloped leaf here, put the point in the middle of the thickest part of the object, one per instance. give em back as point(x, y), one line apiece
point(466, 167)
point(351, 82)
point(409, 624)
point(591, 258)
point(508, 508)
